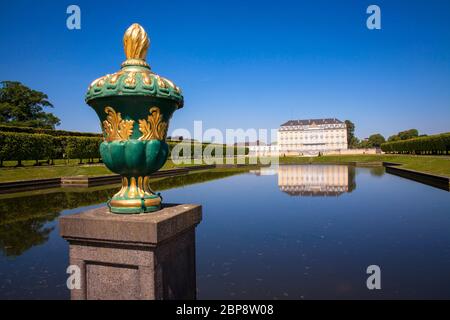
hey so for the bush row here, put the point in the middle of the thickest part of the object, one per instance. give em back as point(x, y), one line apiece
point(58, 133)
point(195, 149)
point(25, 146)
point(436, 144)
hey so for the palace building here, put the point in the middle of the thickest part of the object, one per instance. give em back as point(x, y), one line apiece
point(305, 137)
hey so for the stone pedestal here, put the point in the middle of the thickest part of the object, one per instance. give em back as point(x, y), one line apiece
point(142, 257)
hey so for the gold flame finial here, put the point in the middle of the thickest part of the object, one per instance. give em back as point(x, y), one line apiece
point(135, 42)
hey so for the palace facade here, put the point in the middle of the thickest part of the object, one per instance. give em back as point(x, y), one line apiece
point(304, 137)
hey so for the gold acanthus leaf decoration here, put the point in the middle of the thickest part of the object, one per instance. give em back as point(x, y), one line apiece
point(154, 127)
point(115, 127)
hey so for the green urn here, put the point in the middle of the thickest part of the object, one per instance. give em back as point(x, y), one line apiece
point(134, 106)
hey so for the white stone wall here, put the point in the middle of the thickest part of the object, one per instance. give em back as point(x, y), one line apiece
point(262, 151)
point(353, 152)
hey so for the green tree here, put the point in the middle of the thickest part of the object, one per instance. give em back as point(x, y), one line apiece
point(394, 137)
point(364, 144)
point(22, 106)
point(351, 139)
point(404, 135)
point(408, 134)
point(376, 140)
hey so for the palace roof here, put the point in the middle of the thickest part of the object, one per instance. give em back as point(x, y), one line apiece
point(310, 122)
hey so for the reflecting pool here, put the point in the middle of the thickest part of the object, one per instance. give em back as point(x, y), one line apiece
point(290, 232)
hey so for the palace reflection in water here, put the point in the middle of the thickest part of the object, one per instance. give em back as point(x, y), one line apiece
point(316, 180)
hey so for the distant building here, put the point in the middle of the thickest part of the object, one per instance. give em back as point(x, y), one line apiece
point(308, 137)
point(249, 144)
point(179, 139)
point(263, 150)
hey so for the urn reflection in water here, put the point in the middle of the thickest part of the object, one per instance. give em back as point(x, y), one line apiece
point(134, 106)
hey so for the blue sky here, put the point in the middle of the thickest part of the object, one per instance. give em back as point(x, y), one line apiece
point(246, 64)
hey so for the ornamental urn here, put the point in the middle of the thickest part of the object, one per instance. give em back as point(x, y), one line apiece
point(134, 106)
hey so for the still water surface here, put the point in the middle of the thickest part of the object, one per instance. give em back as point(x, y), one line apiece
point(293, 232)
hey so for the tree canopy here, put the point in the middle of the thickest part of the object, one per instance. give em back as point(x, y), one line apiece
point(404, 135)
point(351, 139)
point(22, 106)
point(376, 140)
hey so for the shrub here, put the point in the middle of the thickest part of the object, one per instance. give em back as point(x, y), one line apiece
point(24, 146)
point(436, 144)
point(82, 148)
point(19, 146)
point(59, 133)
point(191, 146)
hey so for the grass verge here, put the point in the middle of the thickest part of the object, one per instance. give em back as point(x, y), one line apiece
point(439, 165)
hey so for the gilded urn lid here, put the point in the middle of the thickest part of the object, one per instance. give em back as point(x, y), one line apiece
point(135, 78)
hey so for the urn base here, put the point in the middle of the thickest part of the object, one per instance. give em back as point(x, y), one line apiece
point(135, 197)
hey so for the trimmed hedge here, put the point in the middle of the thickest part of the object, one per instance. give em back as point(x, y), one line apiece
point(58, 133)
point(17, 146)
point(192, 146)
point(25, 146)
point(436, 144)
point(82, 148)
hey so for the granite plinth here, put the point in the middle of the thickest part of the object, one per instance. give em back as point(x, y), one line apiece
point(140, 257)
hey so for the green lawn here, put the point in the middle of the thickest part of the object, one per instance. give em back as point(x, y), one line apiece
point(432, 164)
point(159, 184)
point(439, 165)
point(43, 163)
point(63, 168)
point(10, 173)
point(28, 173)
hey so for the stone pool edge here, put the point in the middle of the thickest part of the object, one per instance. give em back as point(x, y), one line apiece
point(437, 181)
